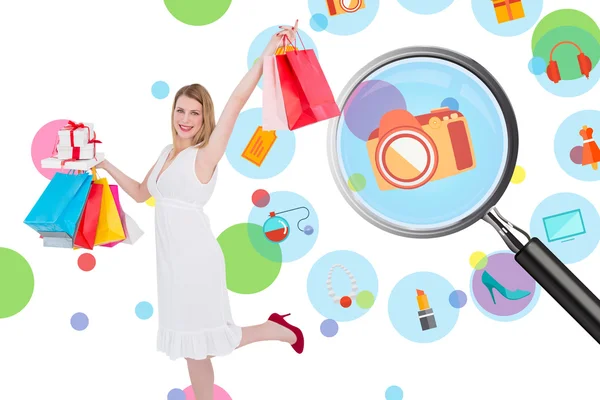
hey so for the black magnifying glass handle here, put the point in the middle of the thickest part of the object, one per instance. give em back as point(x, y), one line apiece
point(551, 274)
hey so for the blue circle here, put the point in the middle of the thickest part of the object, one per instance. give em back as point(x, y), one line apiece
point(79, 321)
point(457, 299)
point(424, 83)
point(329, 328)
point(571, 229)
point(278, 156)
point(394, 393)
point(319, 22)
point(144, 310)
point(290, 207)
point(303, 41)
point(176, 394)
point(160, 89)
point(486, 15)
point(567, 137)
point(403, 307)
point(537, 65)
point(308, 230)
point(426, 7)
point(451, 103)
point(340, 22)
point(318, 293)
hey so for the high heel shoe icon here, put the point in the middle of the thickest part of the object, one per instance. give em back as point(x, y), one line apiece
point(491, 283)
point(280, 319)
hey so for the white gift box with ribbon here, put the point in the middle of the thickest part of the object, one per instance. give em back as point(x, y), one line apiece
point(85, 152)
point(82, 133)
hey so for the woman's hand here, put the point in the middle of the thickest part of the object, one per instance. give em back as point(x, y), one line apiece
point(289, 32)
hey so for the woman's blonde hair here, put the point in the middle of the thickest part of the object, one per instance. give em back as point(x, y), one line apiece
point(200, 94)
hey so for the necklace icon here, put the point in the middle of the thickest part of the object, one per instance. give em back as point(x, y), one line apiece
point(344, 301)
point(277, 229)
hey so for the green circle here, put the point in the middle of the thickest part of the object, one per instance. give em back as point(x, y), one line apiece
point(365, 299)
point(357, 182)
point(16, 283)
point(197, 12)
point(482, 263)
point(252, 262)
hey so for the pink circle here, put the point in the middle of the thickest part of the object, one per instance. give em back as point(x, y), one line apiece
point(220, 393)
point(43, 146)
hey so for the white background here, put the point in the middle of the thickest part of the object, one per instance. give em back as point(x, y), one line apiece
point(96, 61)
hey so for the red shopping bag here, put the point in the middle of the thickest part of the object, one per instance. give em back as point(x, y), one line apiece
point(86, 231)
point(306, 93)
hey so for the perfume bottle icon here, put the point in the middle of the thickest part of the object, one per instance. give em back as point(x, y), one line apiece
point(277, 229)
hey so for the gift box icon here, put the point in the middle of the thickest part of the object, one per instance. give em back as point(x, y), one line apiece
point(508, 10)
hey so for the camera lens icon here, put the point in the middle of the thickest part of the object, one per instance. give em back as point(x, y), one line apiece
point(406, 152)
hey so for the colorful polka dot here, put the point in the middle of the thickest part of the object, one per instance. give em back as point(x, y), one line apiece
point(365, 299)
point(261, 198)
point(197, 13)
point(394, 393)
point(86, 262)
point(478, 260)
point(329, 328)
point(357, 182)
point(151, 202)
point(176, 394)
point(144, 310)
point(160, 90)
point(457, 299)
point(16, 283)
point(518, 175)
point(80, 321)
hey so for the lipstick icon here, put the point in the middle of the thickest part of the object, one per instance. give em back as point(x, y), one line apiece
point(425, 312)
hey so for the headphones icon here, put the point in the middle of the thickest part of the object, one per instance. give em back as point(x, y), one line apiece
point(585, 64)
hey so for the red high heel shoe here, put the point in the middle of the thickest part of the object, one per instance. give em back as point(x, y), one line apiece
point(280, 319)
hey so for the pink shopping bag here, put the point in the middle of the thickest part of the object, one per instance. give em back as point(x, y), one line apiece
point(273, 110)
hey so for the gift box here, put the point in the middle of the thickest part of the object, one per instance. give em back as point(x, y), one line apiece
point(81, 165)
point(508, 10)
point(76, 134)
point(85, 152)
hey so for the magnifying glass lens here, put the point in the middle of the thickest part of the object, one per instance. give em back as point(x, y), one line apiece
point(424, 132)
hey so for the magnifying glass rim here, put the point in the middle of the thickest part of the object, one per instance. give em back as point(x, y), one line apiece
point(486, 78)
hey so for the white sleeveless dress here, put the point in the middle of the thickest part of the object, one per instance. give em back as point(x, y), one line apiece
point(194, 315)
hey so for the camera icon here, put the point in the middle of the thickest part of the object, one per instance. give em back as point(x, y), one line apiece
point(339, 7)
point(408, 151)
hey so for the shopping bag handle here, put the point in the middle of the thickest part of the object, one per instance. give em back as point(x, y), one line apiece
point(294, 45)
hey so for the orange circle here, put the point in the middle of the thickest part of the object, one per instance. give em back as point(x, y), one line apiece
point(86, 262)
point(345, 301)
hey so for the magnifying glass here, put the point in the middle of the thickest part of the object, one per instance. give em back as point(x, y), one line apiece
point(434, 140)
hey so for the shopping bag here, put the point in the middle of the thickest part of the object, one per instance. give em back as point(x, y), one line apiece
point(114, 189)
point(306, 93)
point(58, 210)
point(86, 233)
point(273, 110)
point(110, 228)
point(133, 231)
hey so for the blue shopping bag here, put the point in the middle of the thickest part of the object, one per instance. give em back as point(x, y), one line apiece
point(59, 208)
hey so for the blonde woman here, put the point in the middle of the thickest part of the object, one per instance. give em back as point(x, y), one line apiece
point(194, 315)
